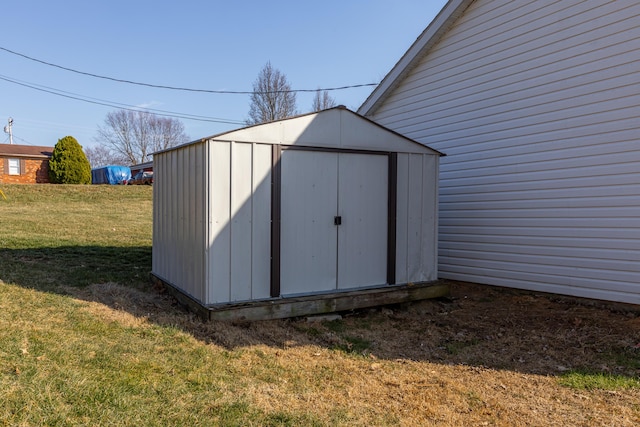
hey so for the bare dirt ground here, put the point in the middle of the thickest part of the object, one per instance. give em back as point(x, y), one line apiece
point(483, 356)
point(516, 330)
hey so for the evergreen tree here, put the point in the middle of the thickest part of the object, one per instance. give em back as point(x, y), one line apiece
point(69, 165)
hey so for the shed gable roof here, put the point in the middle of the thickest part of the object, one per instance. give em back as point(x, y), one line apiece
point(429, 37)
point(336, 127)
point(25, 151)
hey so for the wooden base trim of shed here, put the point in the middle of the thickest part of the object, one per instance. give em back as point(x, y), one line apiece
point(281, 308)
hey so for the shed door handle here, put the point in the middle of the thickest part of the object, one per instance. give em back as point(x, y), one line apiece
point(337, 220)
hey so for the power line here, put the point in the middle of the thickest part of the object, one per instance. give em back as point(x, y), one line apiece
point(113, 104)
point(228, 92)
point(23, 140)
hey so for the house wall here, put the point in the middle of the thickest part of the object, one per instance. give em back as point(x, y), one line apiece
point(33, 171)
point(536, 105)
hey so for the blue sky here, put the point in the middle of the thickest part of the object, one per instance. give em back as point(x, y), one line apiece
point(198, 44)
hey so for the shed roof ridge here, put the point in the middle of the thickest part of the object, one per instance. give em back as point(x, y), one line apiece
point(280, 125)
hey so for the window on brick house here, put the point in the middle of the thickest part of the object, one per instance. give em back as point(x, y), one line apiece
point(14, 166)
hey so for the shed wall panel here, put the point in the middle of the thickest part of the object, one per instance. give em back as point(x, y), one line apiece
point(162, 219)
point(219, 283)
point(402, 216)
point(536, 105)
point(261, 222)
point(415, 223)
point(159, 239)
point(241, 230)
point(417, 218)
point(240, 219)
point(172, 208)
point(184, 271)
point(178, 223)
point(199, 228)
point(429, 270)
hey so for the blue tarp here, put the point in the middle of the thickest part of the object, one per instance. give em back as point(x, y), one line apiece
point(111, 175)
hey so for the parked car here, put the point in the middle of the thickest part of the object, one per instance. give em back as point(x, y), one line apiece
point(141, 178)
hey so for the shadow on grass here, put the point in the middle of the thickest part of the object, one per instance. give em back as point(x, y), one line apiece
point(480, 326)
point(50, 268)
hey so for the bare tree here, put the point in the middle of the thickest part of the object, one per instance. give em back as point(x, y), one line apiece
point(322, 100)
point(101, 155)
point(137, 134)
point(272, 98)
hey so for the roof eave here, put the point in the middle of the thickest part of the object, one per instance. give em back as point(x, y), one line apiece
point(26, 151)
point(429, 37)
point(25, 156)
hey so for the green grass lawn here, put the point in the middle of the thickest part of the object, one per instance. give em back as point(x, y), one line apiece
point(75, 235)
point(68, 361)
point(86, 340)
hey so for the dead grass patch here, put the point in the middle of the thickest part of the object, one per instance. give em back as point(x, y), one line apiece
point(112, 302)
point(484, 356)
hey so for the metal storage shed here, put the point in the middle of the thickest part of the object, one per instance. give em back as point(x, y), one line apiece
point(315, 213)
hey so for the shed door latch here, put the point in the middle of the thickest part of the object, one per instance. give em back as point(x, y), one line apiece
point(337, 220)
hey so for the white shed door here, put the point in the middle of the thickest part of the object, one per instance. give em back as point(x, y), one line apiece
point(316, 254)
point(362, 204)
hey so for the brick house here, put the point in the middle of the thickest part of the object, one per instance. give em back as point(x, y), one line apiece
point(24, 164)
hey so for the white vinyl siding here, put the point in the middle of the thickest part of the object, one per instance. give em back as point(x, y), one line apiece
point(537, 106)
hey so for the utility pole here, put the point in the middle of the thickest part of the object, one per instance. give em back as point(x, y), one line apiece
point(9, 129)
